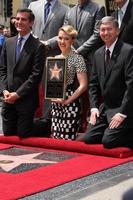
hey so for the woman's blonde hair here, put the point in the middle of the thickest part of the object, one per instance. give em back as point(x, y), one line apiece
point(69, 30)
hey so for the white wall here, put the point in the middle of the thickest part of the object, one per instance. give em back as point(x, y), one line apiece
point(102, 2)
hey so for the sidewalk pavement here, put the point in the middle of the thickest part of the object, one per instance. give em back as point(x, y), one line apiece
point(113, 193)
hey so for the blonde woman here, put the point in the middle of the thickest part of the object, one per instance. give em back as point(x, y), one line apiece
point(66, 113)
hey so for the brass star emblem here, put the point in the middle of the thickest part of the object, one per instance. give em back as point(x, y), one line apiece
point(8, 162)
point(55, 72)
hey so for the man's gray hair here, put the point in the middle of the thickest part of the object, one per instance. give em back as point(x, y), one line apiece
point(109, 19)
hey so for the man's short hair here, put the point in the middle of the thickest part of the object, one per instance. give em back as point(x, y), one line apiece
point(109, 19)
point(31, 15)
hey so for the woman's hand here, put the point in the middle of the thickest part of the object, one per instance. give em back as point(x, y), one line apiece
point(60, 101)
point(82, 79)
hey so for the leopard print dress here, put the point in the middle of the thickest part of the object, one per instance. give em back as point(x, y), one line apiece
point(66, 119)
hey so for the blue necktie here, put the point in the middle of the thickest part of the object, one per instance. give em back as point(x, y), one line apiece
point(18, 47)
point(46, 11)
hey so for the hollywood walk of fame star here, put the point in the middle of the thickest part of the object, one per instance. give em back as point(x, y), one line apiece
point(55, 72)
point(9, 162)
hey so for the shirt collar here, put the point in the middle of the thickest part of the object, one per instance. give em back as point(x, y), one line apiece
point(111, 48)
point(51, 2)
point(25, 37)
point(124, 7)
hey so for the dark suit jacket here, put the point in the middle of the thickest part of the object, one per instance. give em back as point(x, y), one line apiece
point(24, 76)
point(116, 86)
point(88, 39)
point(126, 29)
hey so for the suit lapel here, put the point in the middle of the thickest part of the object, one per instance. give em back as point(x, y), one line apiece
point(102, 64)
point(51, 15)
point(26, 48)
point(110, 66)
point(84, 16)
point(75, 11)
point(13, 50)
point(126, 17)
point(54, 10)
point(78, 22)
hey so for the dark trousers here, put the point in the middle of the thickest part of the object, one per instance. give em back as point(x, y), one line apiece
point(17, 120)
point(100, 133)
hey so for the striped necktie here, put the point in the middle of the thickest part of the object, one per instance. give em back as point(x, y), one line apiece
point(46, 11)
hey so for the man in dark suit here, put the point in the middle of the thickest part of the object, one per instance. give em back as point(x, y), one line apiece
point(111, 123)
point(124, 14)
point(20, 76)
point(84, 17)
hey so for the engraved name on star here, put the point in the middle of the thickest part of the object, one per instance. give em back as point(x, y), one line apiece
point(55, 72)
point(8, 162)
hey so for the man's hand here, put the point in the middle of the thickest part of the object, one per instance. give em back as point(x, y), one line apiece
point(10, 97)
point(116, 121)
point(93, 117)
point(6, 94)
